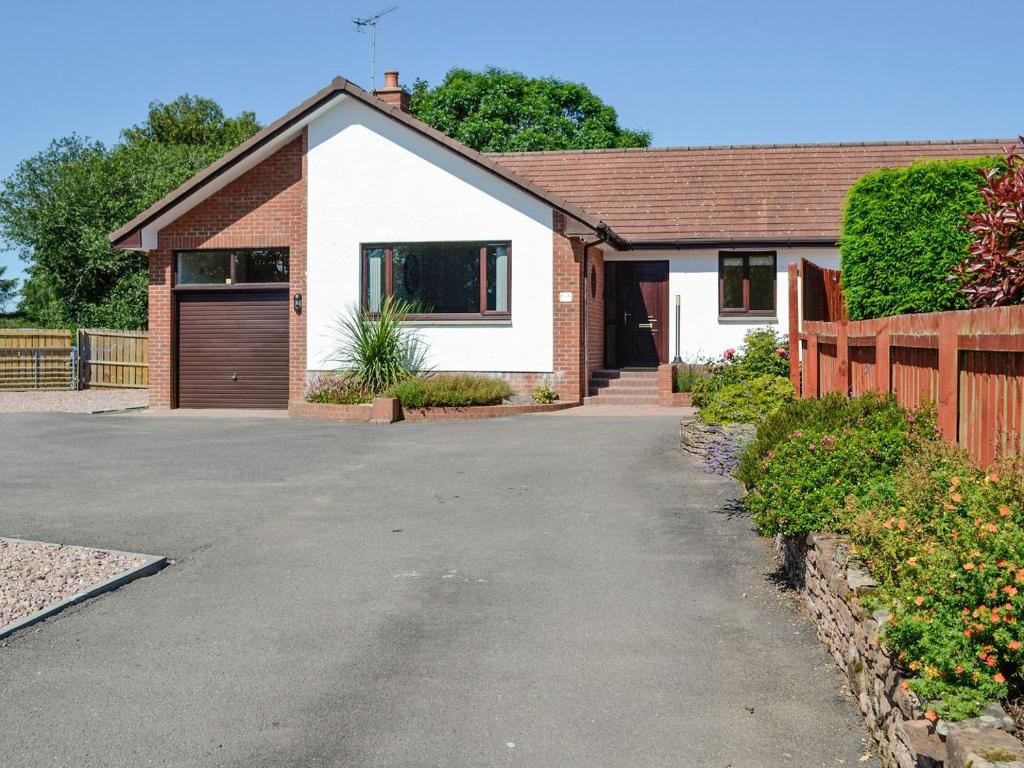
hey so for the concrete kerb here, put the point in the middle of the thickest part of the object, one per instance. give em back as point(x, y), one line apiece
point(150, 564)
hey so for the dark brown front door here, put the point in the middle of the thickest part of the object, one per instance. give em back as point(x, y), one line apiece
point(233, 349)
point(643, 312)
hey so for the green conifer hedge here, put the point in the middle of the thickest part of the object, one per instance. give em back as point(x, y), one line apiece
point(903, 232)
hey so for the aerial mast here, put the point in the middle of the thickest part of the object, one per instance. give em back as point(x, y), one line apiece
point(371, 23)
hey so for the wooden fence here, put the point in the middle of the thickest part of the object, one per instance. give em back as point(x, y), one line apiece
point(113, 358)
point(31, 358)
point(969, 363)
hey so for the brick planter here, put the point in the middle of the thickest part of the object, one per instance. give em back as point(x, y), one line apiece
point(832, 584)
point(386, 410)
point(482, 411)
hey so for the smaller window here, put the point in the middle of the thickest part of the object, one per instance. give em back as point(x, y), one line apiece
point(746, 283)
point(231, 267)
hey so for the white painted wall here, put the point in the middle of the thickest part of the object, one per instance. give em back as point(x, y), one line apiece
point(372, 180)
point(693, 275)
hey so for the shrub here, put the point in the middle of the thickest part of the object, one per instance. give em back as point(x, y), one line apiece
point(378, 351)
point(903, 235)
point(687, 376)
point(993, 273)
point(945, 542)
point(747, 401)
point(451, 391)
point(764, 352)
point(333, 389)
point(811, 454)
point(544, 394)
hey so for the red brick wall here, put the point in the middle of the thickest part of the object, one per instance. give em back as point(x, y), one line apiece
point(568, 316)
point(595, 311)
point(265, 207)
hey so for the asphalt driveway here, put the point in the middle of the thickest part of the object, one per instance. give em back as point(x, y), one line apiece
point(549, 591)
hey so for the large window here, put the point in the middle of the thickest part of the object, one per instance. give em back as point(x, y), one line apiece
point(746, 283)
point(440, 280)
point(232, 267)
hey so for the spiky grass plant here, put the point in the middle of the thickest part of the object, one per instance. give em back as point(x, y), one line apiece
point(377, 351)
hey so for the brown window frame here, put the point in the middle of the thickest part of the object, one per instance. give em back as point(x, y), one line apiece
point(233, 285)
point(746, 311)
point(483, 314)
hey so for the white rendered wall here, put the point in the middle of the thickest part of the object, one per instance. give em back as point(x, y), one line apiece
point(693, 276)
point(372, 180)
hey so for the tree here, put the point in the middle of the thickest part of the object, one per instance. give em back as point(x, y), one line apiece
point(501, 111)
point(8, 287)
point(993, 274)
point(58, 206)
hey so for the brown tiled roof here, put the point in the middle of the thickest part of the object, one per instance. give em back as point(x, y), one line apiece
point(768, 192)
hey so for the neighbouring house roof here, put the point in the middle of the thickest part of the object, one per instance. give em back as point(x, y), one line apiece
point(690, 196)
point(232, 165)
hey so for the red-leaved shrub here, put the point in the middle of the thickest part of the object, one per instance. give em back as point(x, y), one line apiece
point(993, 274)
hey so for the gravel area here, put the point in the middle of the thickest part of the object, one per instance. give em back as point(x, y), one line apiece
point(69, 401)
point(34, 575)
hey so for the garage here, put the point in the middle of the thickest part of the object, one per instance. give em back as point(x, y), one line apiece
point(232, 340)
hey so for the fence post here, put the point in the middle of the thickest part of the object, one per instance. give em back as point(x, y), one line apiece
point(35, 358)
point(883, 365)
point(811, 366)
point(793, 272)
point(843, 358)
point(949, 375)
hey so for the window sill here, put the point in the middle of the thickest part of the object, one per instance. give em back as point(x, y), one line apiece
point(748, 320)
point(441, 322)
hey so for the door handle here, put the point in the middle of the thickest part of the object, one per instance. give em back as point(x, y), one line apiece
point(645, 325)
point(234, 376)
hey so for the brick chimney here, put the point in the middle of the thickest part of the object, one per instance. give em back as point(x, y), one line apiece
point(392, 93)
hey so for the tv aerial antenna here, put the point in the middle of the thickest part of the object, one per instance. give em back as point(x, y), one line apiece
point(371, 22)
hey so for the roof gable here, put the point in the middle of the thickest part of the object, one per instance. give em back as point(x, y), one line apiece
point(133, 234)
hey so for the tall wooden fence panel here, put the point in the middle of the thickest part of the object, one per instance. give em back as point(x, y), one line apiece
point(969, 363)
point(113, 358)
point(822, 292)
point(32, 358)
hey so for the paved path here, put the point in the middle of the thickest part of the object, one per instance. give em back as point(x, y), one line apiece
point(548, 591)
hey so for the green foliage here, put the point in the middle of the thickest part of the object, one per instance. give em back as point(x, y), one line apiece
point(332, 389)
point(945, 542)
point(943, 539)
point(747, 401)
point(451, 391)
point(811, 454)
point(8, 287)
point(764, 353)
point(544, 394)
point(687, 376)
point(57, 208)
point(501, 111)
point(378, 351)
point(903, 235)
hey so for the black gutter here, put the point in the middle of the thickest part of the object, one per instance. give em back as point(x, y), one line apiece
point(689, 245)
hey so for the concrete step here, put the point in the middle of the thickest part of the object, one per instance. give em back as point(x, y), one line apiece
point(621, 400)
point(625, 375)
point(597, 389)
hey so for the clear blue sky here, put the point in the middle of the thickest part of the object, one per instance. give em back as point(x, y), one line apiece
point(708, 72)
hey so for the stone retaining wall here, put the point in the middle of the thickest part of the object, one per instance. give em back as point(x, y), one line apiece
point(832, 585)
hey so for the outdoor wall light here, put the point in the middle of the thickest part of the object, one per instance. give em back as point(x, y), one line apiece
point(297, 303)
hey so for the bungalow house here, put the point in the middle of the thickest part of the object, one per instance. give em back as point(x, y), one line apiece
point(550, 267)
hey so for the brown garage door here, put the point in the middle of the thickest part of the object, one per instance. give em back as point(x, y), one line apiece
point(233, 349)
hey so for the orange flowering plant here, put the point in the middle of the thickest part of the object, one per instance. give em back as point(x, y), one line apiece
point(945, 541)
